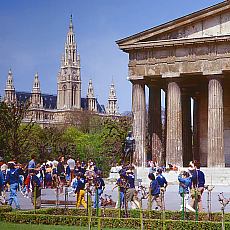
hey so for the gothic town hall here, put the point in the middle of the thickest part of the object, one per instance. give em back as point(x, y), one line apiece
point(45, 108)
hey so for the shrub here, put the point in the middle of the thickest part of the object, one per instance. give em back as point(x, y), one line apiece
point(114, 213)
point(108, 222)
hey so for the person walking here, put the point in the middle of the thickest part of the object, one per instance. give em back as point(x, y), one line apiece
point(155, 191)
point(12, 177)
point(61, 173)
point(163, 185)
point(99, 187)
point(32, 164)
point(184, 188)
point(198, 182)
point(35, 189)
point(71, 163)
point(78, 184)
point(131, 193)
point(2, 199)
point(122, 186)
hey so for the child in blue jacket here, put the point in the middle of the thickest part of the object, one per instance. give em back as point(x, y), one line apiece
point(184, 190)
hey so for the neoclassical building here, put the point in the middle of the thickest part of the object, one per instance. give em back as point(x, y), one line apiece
point(53, 109)
point(189, 59)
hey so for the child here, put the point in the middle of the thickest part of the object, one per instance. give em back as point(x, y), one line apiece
point(184, 187)
point(155, 191)
point(36, 189)
point(122, 184)
point(78, 184)
point(99, 186)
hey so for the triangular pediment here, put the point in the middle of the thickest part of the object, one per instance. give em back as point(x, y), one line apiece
point(209, 22)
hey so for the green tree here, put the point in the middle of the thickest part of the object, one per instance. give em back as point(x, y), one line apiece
point(113, 138)
point(14, 137)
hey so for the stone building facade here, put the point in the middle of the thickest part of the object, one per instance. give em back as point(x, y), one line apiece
point(48, 109)
point(189, 59)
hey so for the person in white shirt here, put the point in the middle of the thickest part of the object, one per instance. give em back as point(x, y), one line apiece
point(71, 163)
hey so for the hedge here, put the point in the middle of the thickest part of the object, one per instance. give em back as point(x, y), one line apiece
point(5, 208)
point(132, 223)
point(114, 213)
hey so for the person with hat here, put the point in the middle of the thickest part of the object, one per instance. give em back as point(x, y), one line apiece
point(12, 177)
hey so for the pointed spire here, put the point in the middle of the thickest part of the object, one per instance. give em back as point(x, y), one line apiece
point(36, 85)
point(90, 93)
point(36, 98)
point(10, 81)
point(112, 92)
point(112, 107)
point(71, 23)
point(70, 54)
point(92, 105)
point(10, 90)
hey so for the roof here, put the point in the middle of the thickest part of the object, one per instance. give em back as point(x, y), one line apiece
point(49, 100)
point(84, 105)
point(175, 24)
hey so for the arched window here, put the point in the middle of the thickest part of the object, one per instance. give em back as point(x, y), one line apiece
point(64, 95)
point(74, 95)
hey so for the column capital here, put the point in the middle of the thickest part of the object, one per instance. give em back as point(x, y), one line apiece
point(215, 76)
point(139, 81)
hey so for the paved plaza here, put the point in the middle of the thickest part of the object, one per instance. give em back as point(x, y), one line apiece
point(172, 198)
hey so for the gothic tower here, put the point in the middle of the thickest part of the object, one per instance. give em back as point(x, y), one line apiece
point(36, 98)
point(112, 107)
point(10, 95)
point(92, 106)
point(69, 77)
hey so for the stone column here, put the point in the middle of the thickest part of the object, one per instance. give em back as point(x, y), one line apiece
point(196, 126)
point(174, 125)
point(139, 123)
point(215, 124)
point(155, 123)
point(186, 130)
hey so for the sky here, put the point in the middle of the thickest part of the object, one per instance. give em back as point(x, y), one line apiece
point(33, 33)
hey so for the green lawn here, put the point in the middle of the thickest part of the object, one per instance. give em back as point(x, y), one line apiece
point(11, 226)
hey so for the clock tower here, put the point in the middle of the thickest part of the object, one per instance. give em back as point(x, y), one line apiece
point(69, 77)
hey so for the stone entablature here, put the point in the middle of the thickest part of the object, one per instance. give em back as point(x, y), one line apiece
point(196, 58)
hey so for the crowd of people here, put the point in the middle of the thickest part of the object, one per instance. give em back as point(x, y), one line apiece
point(83, 176)
point(31, 178)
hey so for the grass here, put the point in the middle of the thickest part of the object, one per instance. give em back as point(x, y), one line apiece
point(12, 226)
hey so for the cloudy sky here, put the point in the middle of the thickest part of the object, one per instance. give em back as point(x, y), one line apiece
point(33, 32)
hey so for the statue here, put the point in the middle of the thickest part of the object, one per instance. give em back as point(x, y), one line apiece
point(129, 148)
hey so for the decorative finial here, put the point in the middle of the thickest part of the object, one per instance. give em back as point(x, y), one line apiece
point(71, 22)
